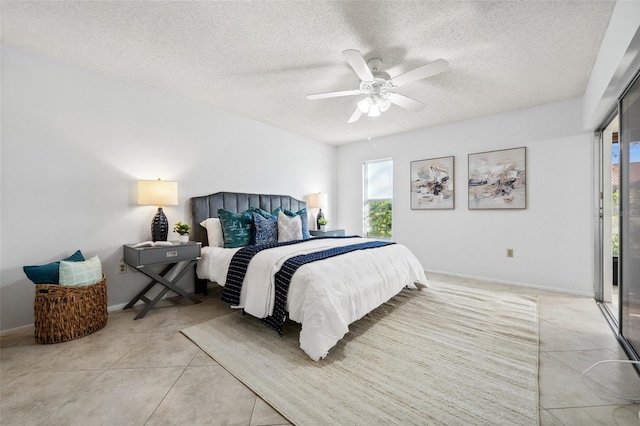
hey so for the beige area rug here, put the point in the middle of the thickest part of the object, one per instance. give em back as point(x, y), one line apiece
point(448, 355)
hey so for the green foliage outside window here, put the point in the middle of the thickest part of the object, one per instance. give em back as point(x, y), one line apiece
point(380, 219)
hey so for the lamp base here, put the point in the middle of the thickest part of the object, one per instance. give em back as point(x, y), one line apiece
point(318, 217)
point(159, 226)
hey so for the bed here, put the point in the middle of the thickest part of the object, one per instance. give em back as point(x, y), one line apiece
point(324, 284)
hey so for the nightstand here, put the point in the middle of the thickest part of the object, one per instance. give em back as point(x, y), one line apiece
point(327, 233)
point(178, 258)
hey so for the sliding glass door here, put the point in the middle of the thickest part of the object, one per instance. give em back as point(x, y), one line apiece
point(629, 257)
point(606, 153)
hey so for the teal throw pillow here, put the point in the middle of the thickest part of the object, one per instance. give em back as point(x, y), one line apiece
point(305, 221)
point(265, 214)
point(236, 228)
point(81, 273)
point(49, 273)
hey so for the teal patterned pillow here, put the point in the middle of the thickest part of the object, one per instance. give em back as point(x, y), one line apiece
point(236, 228)
point(265, 213)
point(305, 221)
point(265, 230)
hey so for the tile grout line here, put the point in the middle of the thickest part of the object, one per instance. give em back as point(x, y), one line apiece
point(165, 395)
point(75, 394)
point(170, 387)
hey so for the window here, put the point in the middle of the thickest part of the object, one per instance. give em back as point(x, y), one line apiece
point(378, 195)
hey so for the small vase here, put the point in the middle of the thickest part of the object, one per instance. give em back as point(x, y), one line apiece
point(183, 238)
point(322, 227)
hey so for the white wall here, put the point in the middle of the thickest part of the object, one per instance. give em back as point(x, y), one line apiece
point(551, 238)
point(74, 143)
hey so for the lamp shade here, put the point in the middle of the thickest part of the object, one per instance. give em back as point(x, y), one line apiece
point(157, 193)
point(318, 200)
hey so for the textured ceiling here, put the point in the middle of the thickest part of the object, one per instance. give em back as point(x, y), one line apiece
point(260, 59)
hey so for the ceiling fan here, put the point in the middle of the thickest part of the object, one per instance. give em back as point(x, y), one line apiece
point(379, 86)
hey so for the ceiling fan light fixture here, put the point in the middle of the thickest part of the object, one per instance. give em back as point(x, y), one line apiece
point(374, 111)
point(364, 105)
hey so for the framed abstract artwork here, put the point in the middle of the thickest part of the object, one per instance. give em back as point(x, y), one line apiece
point(498, 179)
point(432, 184)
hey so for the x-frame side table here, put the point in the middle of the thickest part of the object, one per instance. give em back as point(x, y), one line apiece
point(180, 257)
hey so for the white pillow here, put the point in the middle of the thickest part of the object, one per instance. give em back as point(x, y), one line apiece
point(214, 231)
point(289, 228)
point(80, 273)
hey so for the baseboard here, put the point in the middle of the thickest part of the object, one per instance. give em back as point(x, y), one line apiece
point(514, 283)
point(29, 327)
point(16, 330)
point(118, 307)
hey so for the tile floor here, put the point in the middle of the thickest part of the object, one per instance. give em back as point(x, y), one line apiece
point(146, 372)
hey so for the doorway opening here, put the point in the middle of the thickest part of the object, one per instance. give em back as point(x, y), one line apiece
point(611, 199)
point(610, 217)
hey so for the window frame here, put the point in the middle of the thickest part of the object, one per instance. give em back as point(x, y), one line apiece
point(366, 201)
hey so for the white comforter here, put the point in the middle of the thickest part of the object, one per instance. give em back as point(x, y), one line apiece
point(324, 296)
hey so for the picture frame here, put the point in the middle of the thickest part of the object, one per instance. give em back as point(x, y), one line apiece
point(497, 180)
point(433, 184)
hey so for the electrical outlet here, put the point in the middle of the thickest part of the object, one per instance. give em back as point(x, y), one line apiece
point(122, 268)
point(509, 252)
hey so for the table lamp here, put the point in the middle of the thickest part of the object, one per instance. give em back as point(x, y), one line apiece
point(158, 193)
point(318, 201)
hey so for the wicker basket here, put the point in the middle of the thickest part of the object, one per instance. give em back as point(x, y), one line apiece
point(63, 313)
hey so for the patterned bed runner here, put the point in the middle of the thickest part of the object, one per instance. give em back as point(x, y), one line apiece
point(240, 262)
point(238, 269)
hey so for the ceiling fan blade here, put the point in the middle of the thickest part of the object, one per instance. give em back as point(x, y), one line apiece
point(432, 68)
point(406, 102)
point(355, 116)
point(359, 65)
point(334, 94)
